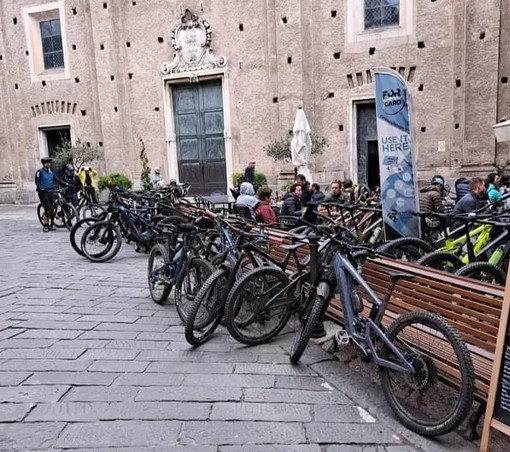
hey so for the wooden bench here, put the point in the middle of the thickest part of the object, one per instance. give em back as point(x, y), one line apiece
point(472, 307)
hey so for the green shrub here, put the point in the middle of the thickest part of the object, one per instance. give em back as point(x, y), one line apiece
point(114, 180)
point(260, 178)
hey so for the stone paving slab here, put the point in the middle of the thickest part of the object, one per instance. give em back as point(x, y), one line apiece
point(89, 362)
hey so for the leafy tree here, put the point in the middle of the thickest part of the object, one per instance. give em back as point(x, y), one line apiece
point(146, 171)
point(78, 154)
point(279, 149)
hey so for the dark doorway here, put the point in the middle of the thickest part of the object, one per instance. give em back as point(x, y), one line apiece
point(199, 129)
point(367, 147)
point(373, 177)
point(55, 138)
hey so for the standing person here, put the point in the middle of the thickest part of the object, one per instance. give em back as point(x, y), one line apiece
point(471, 201)
point(249, 173)
point(264, 210)
point(45, 180)
point(493, 192)
point(306, 196)
point(88, 181)
point(73, 182)
point(292, 201)
point(335, 194)
point(431, 200)
point(156, 179)
point(317, 195)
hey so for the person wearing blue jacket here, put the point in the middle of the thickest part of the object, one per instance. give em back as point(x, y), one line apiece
point(493, 193)
point(45, 180)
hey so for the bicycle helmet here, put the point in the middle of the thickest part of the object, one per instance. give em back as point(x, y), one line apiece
point(69, 167)
point(46, 160)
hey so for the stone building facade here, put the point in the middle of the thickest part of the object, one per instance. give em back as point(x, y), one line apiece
point(207, 89)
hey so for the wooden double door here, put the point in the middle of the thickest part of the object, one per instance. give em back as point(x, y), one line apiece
point(200, 136)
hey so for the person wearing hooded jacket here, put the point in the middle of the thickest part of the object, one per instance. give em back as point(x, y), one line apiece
point(247, 196)
point(431, 200)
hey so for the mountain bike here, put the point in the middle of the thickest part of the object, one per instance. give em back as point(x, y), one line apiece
point(416, 354)
point(66, 214)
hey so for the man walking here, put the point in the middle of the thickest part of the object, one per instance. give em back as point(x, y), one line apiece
point(249, 173)
point(431, 200)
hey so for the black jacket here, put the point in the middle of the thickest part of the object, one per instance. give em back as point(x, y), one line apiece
point(291, 205)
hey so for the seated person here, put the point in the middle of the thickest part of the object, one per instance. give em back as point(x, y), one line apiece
point(264, 211)
point(317, 195)
point(247, 196)
point(292, 201)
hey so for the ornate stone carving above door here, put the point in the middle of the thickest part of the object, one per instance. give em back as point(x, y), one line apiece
point(191, 39)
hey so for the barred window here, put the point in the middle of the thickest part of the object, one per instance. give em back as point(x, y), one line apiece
point(381, 13)
point(51, 37)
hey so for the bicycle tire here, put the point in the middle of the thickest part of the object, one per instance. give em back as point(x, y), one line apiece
point(243, 295)
point(476, 270)
point(91, 211)
point(202, 269)
point(40, 213)
point(79, 226)
point(441, 260)
point(71, 216)
point(427, 376)
point(410, 247)
point(206, 310)
point(112, 240)
point(317, 307)
point(158, 250)
point(58, 219)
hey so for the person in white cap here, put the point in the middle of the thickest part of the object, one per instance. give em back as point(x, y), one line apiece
point(156, 179)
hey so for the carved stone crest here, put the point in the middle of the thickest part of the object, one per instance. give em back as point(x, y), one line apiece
point(191, 39)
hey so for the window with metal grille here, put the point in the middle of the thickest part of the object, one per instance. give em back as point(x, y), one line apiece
point(382, 13)
point(51, 37)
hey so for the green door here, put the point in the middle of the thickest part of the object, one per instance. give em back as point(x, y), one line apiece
point(199, 127)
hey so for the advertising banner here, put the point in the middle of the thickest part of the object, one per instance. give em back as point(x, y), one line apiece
point(399, 194)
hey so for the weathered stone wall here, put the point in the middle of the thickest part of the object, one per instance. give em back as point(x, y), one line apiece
point(282, 54)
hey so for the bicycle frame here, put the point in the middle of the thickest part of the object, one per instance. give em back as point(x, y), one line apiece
point(345, 275)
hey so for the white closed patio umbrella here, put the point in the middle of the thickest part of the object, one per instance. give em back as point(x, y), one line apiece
point(301, 144)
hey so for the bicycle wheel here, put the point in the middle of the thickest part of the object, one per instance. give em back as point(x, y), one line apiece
point(188, 283)
point(206, 310)
point(77, 233)
point(40, 213)
point(483, 271)
point(71, 216)
point(316, 308)
point(407, 248)
point(101, 241)
point(158, 276)
point(424, 401)
point(59, 218)
point(259, 305)
point(91, 211)
point(441, 260)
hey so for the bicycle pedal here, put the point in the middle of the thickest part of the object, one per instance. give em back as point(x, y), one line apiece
point(342, 338)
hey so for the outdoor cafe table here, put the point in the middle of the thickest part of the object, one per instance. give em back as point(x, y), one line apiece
point(224, 201)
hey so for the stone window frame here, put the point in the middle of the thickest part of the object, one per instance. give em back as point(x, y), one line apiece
point(357, 36)
point(33, 16)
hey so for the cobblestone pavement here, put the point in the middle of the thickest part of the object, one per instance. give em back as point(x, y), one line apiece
point(89, 362)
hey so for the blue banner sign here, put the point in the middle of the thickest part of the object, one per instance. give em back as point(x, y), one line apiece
point(396, 163)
